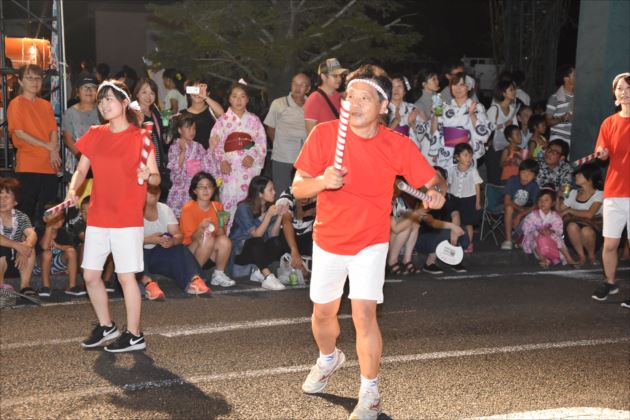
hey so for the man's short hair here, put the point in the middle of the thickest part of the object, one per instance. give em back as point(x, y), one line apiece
point(529, 165)
point(374, 73)
point(564, 70)
point(507, 131)
point(564, 146)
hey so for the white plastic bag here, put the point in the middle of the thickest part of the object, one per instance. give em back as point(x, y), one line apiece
point(285, 269)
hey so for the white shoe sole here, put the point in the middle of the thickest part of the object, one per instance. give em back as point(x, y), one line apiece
point(222, 284)
point(139, 346)
point(104, 340)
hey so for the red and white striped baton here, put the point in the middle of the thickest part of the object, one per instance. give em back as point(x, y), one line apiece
point(146, 145)
point(344, 115)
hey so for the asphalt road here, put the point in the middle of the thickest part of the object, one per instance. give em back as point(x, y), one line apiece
point(500, 342)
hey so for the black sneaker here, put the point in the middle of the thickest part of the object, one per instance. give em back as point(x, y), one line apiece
point(625, 304)
point(460, 268)
point(602, 292)
point(44, 292)
point(432, 269)
point(109, 287)
point(100, 335)
point(75, 291)
point(127, 342)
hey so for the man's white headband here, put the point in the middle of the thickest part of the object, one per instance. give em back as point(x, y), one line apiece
point(371, 83)
point(113, 86)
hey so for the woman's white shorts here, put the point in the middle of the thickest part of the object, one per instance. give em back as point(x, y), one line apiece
point(365, 269)
point(616, 214)
point(125, 245)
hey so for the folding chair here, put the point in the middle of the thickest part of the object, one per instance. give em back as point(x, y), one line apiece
point(492, 219)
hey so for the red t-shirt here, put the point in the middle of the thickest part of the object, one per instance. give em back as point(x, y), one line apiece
point(316, 108)
point(614, 135)
point(357, 215)
point(116, 200)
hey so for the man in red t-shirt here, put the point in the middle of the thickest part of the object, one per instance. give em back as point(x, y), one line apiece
point(614, 136)
point(351, 230)
point(323, 104)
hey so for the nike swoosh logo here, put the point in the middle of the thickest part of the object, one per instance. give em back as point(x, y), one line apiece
point(134, 342)
point(106, 333)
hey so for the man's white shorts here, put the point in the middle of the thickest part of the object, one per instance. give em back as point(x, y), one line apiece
point(616, 216)
point(125, 245)
point(365, 269)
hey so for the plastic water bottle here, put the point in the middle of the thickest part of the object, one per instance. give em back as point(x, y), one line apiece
point(293, 278)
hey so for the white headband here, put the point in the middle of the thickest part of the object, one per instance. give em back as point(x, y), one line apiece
point(113, 86)
point(619, 76)
point(371, 83)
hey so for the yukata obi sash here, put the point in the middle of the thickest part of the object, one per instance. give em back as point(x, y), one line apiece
point(238, 141)
point(455, 135)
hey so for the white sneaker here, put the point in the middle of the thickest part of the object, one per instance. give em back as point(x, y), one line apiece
point(219, 278)
point(257, 276)
point(318, 378)
point(271, 282)
point(368, 407)
point(506, 245)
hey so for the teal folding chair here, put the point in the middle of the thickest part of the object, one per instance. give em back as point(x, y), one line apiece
point(492, 219)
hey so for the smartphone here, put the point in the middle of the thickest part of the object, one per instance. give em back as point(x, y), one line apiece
point(193, 90)
point(166, 235)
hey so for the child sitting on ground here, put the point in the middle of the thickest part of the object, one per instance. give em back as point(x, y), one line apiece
point(518, 199)
point(464, 185)
point(542, 232)
point(58, 254)
point(512, 155)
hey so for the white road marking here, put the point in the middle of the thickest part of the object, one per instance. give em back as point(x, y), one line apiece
point(565, 413)
point(258, 373)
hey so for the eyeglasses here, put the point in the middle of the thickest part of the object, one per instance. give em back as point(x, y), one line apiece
point(33, 78)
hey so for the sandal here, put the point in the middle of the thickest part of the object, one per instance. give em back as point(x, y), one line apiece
point(27, 291)
point(394, 269)
point(409, 269)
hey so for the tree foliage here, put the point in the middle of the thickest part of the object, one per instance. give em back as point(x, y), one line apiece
point(267, 41)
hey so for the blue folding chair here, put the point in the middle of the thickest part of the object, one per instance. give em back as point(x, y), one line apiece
point(492, 219)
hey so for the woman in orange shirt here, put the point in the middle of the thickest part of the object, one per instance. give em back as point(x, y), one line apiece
point(33, 129)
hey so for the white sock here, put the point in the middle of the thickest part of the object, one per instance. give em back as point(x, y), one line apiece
point(326, 360)
point(369, 384)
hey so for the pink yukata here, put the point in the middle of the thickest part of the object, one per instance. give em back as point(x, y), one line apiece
point(235, 184)
point(534, 223)
point(195, 160)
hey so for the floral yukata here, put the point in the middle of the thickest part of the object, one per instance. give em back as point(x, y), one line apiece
point(195, 160)
point(235, 184)
point(457, 117)
point(534, 223)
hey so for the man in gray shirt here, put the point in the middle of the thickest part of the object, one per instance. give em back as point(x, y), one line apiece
point(285, 128)
point(560, 105)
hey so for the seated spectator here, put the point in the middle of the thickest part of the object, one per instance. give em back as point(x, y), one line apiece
point(437, 226)
point(537, 145)
point(58, 254)
point(185, 159)
point(77, 228)
point(554, 170)
point(581, 212)
point(205, 242)
point(545, 222)
point(518, 199)
point(17, 238)
point(404, 229)
point(464, 185)
point(512, 155)
point(297, 227)
point(164, 253)
point(256, 229)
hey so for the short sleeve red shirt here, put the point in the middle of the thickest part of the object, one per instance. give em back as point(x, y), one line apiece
point(116, 200)
point(614, 135)
point(316, 108)
point(357, 215)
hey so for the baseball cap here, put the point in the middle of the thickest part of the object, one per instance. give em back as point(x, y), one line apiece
point(331, 66)
point(88, 79)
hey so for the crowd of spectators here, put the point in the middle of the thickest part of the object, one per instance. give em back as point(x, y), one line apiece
point(216, 206)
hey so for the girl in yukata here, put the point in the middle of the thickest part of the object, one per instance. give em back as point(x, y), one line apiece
point(403, 116)
point(463, 120)
point(238, 146)
point(185, 159)
point(542, 232)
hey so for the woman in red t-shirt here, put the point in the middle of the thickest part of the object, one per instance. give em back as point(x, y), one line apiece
point(115, 220)
point(614, 136)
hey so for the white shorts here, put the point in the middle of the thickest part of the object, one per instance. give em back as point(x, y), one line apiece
point(616, 212)
point(125, 245)
point(365, 269)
